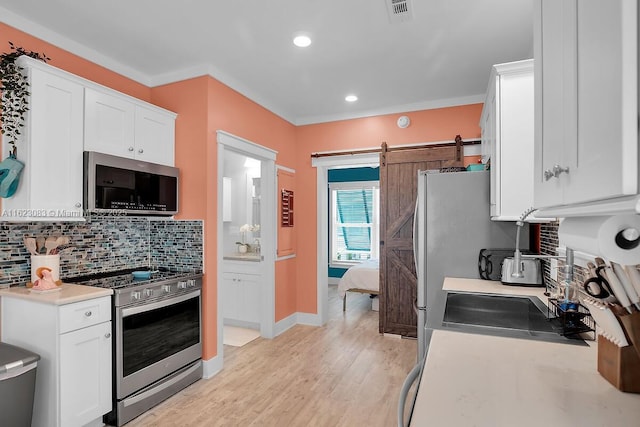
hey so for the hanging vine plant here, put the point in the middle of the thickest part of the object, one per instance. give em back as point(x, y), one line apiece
point(15, 93)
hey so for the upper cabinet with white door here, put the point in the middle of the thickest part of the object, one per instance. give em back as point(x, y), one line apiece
point(122, 126)
point(507, 138)
point(50, 147)
point(586, 112)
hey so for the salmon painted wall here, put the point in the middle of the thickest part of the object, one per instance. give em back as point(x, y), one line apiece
point(189, 99)
point(236, 114)
point(74, 64)
point(204, 105)
point(441, 124)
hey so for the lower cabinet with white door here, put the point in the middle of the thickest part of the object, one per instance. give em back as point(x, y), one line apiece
point(241, 299)
point(73, 377)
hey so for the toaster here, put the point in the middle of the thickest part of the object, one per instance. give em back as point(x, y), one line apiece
point(531, 269)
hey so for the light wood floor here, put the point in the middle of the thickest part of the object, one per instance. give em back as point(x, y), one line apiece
point(342, 374)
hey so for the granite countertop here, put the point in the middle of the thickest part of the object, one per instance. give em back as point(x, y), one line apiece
point(482, 380)
point(69, 293)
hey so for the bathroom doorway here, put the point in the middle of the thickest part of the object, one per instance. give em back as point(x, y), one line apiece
point(246, 240)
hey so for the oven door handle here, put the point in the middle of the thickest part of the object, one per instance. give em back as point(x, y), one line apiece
point(128, 311)
point(167, 383)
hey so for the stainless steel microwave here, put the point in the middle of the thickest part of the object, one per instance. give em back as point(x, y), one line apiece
point(127, 186)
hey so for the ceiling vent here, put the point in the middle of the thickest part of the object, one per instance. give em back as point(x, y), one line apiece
point(399, 11)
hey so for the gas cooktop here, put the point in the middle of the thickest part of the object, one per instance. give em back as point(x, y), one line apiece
point(124, 279)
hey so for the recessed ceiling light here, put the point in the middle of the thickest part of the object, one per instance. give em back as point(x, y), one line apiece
point(351, 98)
point(302, 40)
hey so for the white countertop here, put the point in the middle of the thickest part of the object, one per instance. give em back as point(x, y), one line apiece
point(481, 380)
point(69, 293)
point(250, 256)
point(491, 287)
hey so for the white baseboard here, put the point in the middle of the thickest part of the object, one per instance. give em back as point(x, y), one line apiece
point(241, 324)
point(211, 367)
point(297, 319)
point(309, 319)
point(286, 323)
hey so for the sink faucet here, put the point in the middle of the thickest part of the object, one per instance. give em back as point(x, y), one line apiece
point(517, 255)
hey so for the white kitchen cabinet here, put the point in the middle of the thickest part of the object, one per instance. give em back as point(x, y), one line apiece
point(241, 299)
point(586, 117)
point(109, 124)
point(50, 186)
point(73, 378)
point(507, 129)
point(85, 359)
point(155, 136)
point(118, 125)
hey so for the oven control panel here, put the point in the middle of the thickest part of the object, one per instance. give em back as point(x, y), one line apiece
point(149, 291)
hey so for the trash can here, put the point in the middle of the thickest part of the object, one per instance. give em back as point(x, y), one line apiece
point(17, 385)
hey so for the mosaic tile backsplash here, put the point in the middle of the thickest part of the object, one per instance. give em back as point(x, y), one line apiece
point(104, 244)
point(548, 245)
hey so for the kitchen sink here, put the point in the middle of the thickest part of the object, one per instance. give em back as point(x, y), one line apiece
point(503, 315)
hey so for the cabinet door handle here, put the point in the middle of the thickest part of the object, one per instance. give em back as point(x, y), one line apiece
point(88, 313)
point(141, 151)
point(107, 335)
point(78, 205)
point(130, 148)
point(548, 174)
point(555, 172)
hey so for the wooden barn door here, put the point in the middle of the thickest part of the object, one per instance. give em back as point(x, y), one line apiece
point(398, 189)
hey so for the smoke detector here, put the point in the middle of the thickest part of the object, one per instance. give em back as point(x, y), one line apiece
point(403, 122)
point(399, 11)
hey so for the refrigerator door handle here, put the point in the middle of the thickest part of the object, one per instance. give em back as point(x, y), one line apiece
point(415, 236)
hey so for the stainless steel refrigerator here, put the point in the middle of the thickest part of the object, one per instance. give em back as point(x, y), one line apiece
point(451, 225)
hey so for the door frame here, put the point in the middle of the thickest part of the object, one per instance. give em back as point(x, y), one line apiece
point(267, 156)
point(322, 165)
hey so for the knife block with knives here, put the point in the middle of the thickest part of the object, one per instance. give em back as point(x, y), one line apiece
point(614, 302)
point(621, 365)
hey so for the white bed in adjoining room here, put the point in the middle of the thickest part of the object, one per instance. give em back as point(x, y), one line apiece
point(363, 278)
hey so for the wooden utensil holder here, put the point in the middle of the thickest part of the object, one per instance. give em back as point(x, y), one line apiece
point(619, 365)
point(631, 326)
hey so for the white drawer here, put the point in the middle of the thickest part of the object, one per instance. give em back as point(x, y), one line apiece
point(84, 313)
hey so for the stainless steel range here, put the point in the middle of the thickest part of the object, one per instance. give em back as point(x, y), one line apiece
point(157, 338)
